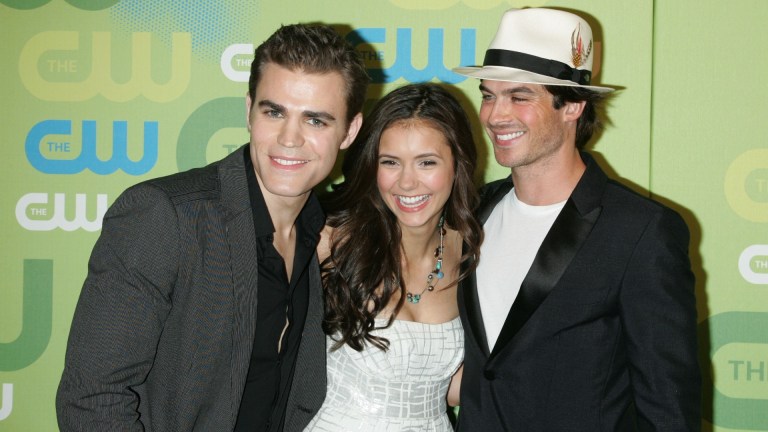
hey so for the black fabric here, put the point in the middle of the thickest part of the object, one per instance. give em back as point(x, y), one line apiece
point(262, 407)
point(488, 195)
point(555, 254)
point(603, 332)
point(531, 63)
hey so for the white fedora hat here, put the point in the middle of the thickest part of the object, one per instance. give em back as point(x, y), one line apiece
point(539, 46)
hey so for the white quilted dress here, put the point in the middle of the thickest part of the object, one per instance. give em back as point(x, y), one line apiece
point(402, 389)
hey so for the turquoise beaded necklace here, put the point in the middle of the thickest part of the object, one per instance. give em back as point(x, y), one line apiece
point(437, 273)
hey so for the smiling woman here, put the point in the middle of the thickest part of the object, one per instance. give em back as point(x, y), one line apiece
point(415, 172)
point(400, 237)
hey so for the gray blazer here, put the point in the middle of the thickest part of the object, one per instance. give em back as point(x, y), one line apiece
point(162, 334)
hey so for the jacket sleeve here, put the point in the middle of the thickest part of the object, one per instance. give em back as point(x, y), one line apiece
point(658, 310)
point(120, 314)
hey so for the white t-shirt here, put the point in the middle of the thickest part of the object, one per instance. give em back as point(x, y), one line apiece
point(513, 234)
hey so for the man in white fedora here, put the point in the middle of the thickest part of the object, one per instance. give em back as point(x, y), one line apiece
point(581, 315)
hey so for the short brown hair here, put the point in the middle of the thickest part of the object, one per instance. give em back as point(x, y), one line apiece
point(313, 48)
point(589, 123)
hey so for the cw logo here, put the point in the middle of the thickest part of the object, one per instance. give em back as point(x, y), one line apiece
point(236, 59)
point(734, 367)
point(236, 62)
point(36, 205)
point(37, 139)
point(44, 51)
point(36, 318)
point(7, 404)
point(403, 66)
point(89, 5)
point(753, 264)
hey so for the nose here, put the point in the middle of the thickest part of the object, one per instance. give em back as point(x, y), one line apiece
point(290, 134)
point(408, 179)
point(495, 113)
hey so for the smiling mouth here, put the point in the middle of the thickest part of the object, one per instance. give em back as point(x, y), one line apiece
point(412, 201)
point(288, 162)
point(510, 136)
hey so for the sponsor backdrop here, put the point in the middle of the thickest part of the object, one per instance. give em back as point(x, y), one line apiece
point(100, 94)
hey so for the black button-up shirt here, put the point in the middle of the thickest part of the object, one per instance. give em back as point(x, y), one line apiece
point(270, 373)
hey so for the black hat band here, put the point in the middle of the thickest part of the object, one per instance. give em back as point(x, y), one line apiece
point(541, 66)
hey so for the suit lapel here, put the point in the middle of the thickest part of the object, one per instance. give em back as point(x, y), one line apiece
point(560, 246)
point(241, 243)
point(555, 254)
point(309, 373)
point(468, 289)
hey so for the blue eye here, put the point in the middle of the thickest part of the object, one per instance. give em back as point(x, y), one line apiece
point(316, 122)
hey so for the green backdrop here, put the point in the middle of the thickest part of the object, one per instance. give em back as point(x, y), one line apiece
point(101, 94)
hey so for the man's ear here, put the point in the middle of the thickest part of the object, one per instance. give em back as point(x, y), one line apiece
point(248, 103)
point(572, 110)
point(354, 128)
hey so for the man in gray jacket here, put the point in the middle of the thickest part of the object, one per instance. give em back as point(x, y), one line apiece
point(202, 305)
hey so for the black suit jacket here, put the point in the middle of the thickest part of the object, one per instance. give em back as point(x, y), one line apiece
point(602, 336)
point(163, 331)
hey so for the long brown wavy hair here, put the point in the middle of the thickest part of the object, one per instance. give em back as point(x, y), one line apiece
point(363, 270)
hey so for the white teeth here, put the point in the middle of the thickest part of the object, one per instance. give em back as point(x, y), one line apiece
point(412, 201)
point(288, 162)
point(509, 136)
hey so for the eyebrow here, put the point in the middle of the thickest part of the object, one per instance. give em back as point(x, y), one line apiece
point(266, 103)
point(419, 156)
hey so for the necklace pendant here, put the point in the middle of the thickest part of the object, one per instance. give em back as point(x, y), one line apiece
point(436, 273)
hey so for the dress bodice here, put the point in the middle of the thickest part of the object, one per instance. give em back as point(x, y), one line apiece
point(403, 388)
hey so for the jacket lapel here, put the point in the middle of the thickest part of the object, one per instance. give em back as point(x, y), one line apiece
point(241, 243)
point(555, 254)
point(568, 233)
point(310, 371)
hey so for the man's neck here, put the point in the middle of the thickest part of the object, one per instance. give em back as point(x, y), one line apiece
point(284, 212)
point(549, 182)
